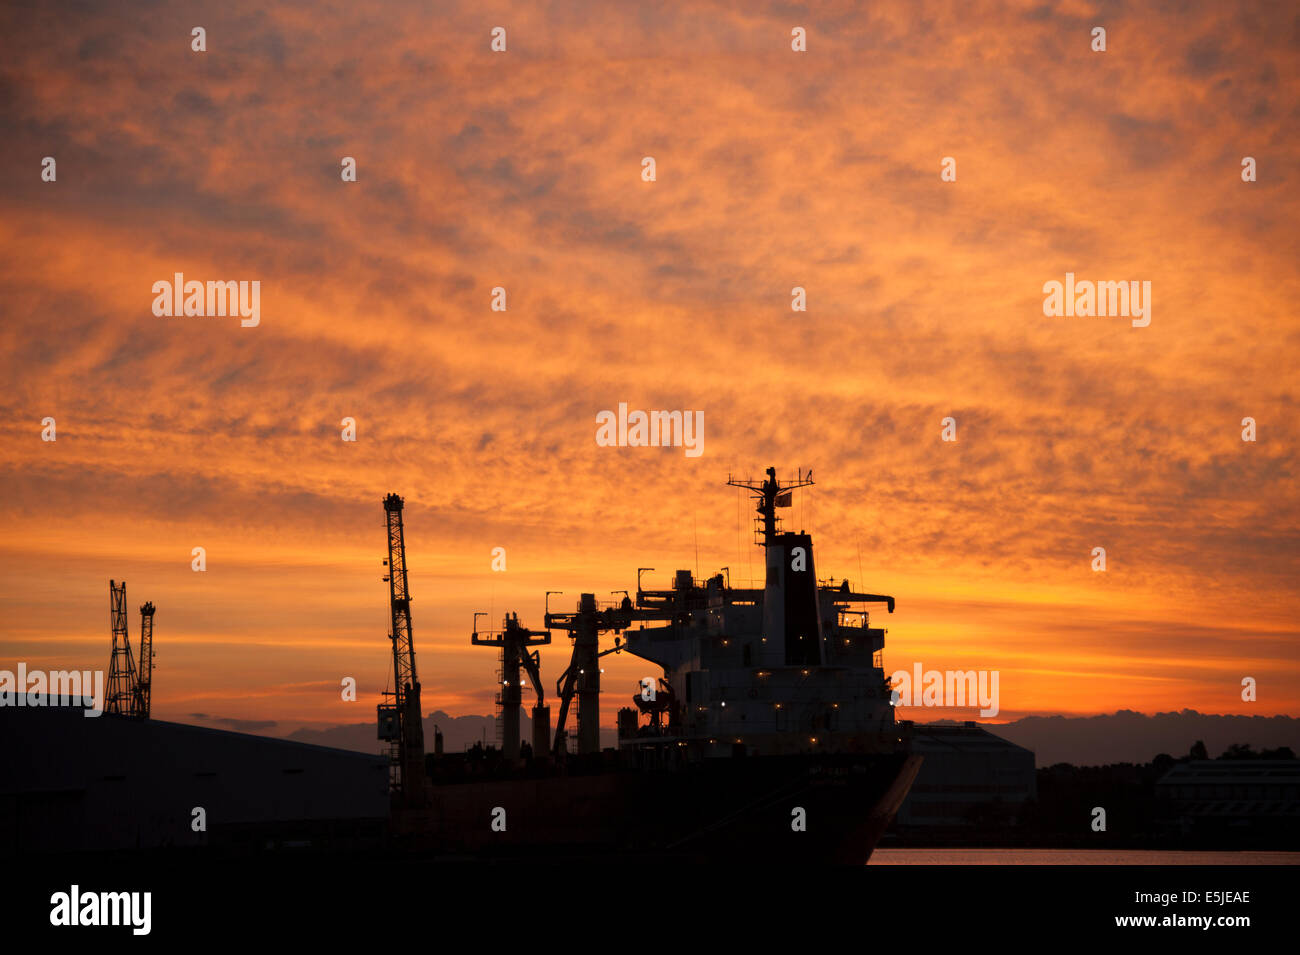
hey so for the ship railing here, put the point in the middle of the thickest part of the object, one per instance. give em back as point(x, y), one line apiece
point(697, 583)
point(601, 605)
point(793, 727)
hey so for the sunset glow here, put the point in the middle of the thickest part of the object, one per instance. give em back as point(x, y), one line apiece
point(523, 171)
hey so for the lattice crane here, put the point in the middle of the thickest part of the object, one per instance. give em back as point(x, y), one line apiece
point(121, 665)
point(144, 681)
point(400, 721)
point(129, 688)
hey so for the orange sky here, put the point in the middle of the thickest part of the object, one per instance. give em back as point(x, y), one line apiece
point(775, 170)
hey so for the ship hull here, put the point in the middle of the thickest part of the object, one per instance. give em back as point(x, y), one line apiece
point(825, 809)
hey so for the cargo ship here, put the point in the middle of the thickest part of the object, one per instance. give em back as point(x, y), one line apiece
point(767, 732)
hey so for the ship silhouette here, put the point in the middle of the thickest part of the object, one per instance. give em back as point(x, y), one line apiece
point(768, 734)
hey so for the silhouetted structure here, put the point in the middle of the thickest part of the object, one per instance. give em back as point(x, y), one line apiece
point(130, 690)
point(400, 722)
point(121, 667)
point(769, 729)
point(69, 783)
point(513, 639)
point(144, 679)
point(970, 778)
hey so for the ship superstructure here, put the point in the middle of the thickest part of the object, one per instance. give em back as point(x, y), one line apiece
point(792, 668)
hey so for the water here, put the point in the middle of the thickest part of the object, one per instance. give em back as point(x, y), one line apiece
point(1076, 857)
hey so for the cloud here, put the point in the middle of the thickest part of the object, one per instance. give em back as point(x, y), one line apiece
point(523, 170)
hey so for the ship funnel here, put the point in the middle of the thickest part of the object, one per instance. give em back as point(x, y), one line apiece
point(791, 618)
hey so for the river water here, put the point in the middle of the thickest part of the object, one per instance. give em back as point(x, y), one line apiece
point(1076, 857)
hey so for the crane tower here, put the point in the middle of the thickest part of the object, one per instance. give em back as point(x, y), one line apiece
point(514, 640)
point(121, 665)
point(144, 682)
point(400, 720)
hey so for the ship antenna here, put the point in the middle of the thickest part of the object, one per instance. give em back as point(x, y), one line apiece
point(770, 495)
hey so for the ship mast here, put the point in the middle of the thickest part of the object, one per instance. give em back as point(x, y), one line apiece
point(792, 634)
point(770, 495)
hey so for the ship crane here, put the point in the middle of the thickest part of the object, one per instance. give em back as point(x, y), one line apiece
point(661, 705)
point(582, 678)
point(514, 640)
point(401, 720)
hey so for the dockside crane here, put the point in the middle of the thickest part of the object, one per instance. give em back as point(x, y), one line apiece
point(144, 681)
point(121, 665)
point(400, 721)
point(129, 688)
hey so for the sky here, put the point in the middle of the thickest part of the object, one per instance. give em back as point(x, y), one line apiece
point(774, 169)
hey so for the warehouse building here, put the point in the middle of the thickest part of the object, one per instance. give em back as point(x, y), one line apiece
point(969, 777)
point(1233, 796)
point(71, 783)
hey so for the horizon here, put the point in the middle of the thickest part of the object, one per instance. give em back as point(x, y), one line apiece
point(1070, 742)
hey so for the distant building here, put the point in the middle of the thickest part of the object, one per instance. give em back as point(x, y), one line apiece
point(70, 783)
point(969, 777)
point(1232, 795)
